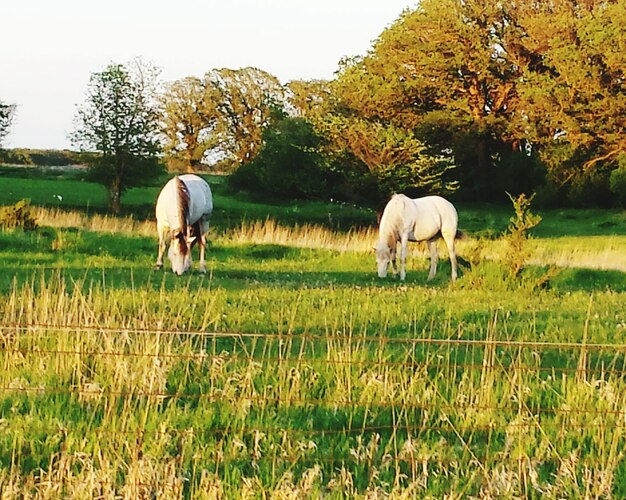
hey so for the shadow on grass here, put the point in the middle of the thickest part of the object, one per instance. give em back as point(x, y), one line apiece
point(589, 280)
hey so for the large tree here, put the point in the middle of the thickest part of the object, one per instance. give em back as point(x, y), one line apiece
point(120, 121)
point(500, 85)
point(572, 57)
point(440, 73)
point(377, 148)
point(7, 112)
point(246, 99)
point(190, 123)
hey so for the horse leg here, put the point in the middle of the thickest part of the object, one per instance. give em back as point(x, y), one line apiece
point(404, 244)
point(201, 227)
point(394, 265)
point(162, 246)
point(434, 258)
point(449, 239)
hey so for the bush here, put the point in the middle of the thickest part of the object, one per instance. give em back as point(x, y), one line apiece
point(42, 157)
point(523, 221)
point(288, 165)
point(18, 215)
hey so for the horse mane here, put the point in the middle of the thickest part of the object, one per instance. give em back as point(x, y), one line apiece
point(183, 205)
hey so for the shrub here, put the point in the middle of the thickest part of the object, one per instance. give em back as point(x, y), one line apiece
point(288, 165)
point(18, 215)
point(523, 221)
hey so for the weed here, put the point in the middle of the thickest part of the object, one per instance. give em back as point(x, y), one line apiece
point(524, 220)
point(20, 215)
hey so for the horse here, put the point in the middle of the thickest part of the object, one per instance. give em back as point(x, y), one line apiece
point(183, 210)
point(421, 219)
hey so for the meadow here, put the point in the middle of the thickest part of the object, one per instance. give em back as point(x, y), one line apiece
point(291, 371)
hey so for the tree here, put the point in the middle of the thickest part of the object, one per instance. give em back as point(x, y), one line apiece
point(190, 122)
point(377, 147)
point(441, 73)
point(120, 121)
point(500, 86)
point(573, 90)
point(394, 156)
point(7, 112)
point(246, 99)
point(289, 164)
point(309, 97)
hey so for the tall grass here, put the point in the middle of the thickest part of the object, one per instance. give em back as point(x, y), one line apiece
point(141, 393)
point(290, 371)
point(591, 252)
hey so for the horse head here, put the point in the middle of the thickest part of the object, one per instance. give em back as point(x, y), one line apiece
point(179, 252)
point(385, 255)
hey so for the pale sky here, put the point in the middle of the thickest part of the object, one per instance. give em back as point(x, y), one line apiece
point(49, 48)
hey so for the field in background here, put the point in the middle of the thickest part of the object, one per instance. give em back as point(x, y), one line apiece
point(291, 370)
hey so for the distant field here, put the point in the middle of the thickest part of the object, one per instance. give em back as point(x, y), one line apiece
point(291, 371)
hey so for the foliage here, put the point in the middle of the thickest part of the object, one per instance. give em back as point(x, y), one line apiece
point(189, 121)
point(119, 120)
point(523, 221)
point(476, 80)
point(309, 98)
point(7, 112)
point(435, 74)
point(246, 100)
point(219, 120)
point(289, 164)
point(43, 157)
point(618, 180)
point(393, 155)
point(19, 215)
point(572, 89)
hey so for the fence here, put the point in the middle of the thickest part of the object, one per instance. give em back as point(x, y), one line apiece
point(483, 392)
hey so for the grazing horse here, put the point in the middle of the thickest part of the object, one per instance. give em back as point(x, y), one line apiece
point(183, 210)
point(421, 219)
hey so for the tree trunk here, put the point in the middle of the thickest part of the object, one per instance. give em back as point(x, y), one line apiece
point(482, 153)
point(193, 166)
point(115, 196)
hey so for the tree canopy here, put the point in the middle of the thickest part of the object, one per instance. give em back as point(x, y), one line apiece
point(190, 122)
point(487, 95)
point(120, 121)
point(223, 115)
point(573, 87)
point(495, 86)
point(7, 112)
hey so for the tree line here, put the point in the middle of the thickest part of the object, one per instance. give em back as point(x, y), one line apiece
point(474, 97)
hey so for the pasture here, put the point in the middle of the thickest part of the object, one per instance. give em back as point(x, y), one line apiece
point(290, 370)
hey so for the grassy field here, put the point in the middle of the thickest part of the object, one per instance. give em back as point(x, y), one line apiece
point(291, 371)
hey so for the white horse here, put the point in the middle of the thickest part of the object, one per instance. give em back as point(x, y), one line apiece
point(421, 219)
point(183, 210)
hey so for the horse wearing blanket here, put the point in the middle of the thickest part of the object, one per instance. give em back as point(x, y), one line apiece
point(421, 219)
point(183, 210)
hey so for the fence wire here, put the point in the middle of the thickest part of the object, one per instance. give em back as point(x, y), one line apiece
point(535, 416)
point(349, 339)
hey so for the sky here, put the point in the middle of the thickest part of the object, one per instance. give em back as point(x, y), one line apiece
point(49, 48)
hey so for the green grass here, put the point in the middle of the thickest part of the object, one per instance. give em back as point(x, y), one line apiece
point(295, 371)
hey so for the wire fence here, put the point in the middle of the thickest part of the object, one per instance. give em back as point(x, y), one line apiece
point(535, 413)
point(352, 338)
